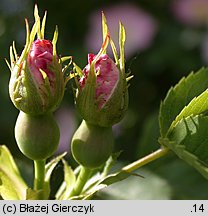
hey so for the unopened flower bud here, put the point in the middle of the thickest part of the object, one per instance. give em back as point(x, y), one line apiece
point(102, 98)
point(37, 81)
point(102, 93)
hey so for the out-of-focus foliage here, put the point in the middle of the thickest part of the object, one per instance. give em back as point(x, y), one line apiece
point(174, 48)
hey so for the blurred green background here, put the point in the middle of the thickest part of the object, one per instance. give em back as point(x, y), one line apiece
point(166, 40)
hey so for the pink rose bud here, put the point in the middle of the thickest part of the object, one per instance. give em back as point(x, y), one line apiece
point(40, 58)
point(107, 78)
point(102, 100)
point(37, 81)
point(102, 95)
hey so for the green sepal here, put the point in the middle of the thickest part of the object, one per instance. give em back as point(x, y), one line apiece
point(122, 39)
point(104, 29)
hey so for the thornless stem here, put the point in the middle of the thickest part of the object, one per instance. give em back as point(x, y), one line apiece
point(83, 176)
point(39, 182)
point(147, 159)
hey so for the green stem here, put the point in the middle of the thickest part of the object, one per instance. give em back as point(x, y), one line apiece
point(147, 159)
point(39, 181)
point(83, 176)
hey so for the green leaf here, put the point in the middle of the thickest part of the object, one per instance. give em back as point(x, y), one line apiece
point(180, 96)
point(51, 165)
point(94, 184)
point(115, 177)
point(12, 186)
point(109, 163)
point(189, 139)
point(152, 186)
point(101, 183)
point(69, 181)
point(197, 106)
point(48, 172)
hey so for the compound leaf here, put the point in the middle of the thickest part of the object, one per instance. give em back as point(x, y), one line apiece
point(189, 140)
point(180, 96)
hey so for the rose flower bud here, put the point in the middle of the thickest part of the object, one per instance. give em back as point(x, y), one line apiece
point(102, 95)
point(102, 100)
point(36, 88)
point(37, 82)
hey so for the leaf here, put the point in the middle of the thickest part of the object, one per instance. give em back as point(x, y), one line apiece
point(197, 106)
point(69, 181)
point(94, 181)
point(189, 139)
point(51, 165)
point(151, 187)
point(115, 177)
point(12, 186)
point(48, 171)
point(110, 162)
point(104, 182)
point(180, 96)
point(93, 192)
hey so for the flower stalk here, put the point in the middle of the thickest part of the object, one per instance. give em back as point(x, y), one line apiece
point(83, 177)
point(39, 179)
point(147, 159)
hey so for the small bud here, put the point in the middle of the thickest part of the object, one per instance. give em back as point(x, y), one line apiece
point(92, 145)
point(102, 98)
point(37, 136)
point(37, 81)
point(102, 93)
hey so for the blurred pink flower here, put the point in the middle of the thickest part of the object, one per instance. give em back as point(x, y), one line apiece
point(140, 28)
point(191, 12)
